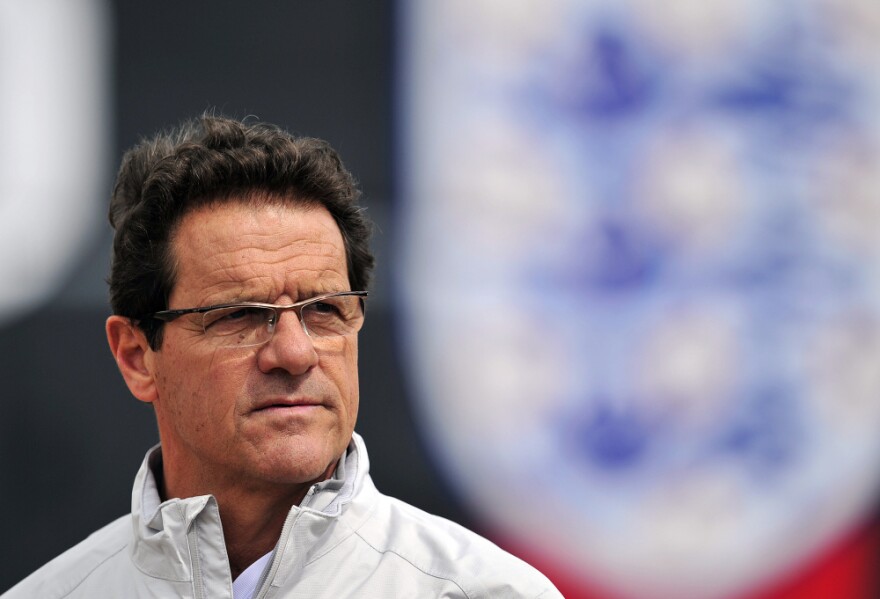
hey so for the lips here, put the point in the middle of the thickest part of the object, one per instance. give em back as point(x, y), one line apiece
point(287, 403)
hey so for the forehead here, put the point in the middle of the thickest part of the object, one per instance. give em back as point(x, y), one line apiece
point(257, 251)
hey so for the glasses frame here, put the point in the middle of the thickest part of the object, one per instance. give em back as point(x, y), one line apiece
point(171, 315)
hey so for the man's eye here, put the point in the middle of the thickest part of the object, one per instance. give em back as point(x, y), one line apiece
point(225, 318)
point(239, 313)
point(325, 308)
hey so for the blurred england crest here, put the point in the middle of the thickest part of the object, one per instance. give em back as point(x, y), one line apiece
point(640, 266)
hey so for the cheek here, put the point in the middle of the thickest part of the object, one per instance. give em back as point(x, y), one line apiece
point(349, 360)
point(200, 389)
point(353, 396)
point(341, 368)
point(223, 384)
point(351, 374)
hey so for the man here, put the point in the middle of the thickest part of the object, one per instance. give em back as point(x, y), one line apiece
point(240, 263)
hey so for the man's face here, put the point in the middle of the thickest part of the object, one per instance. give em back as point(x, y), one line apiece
point(279, 413)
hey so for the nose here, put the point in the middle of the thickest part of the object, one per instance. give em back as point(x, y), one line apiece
point(289, 349)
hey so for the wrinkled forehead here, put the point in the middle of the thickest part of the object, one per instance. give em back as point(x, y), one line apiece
point(247, 250)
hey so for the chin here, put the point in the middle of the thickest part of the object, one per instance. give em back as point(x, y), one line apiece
point(300, 465)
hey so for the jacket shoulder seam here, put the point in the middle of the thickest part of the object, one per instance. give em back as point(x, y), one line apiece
point(92, 570)
point(411, 563)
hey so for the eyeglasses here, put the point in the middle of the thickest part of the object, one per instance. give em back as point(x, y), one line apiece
point(247, 324)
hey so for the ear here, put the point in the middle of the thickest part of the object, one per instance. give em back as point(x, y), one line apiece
point(133, 356)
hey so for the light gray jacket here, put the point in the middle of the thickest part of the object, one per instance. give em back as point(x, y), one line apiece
point(345, 540)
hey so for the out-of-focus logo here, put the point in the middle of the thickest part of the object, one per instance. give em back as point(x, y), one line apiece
point(640, 265)
point(53, 150)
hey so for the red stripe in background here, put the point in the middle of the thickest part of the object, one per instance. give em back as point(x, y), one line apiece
point(846, 571)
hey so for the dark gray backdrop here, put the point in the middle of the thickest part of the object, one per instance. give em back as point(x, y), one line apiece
point(72, 437)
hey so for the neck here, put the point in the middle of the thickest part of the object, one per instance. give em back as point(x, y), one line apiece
point(251, 528)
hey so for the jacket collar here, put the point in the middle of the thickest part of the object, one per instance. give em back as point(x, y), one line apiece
point(166, 531)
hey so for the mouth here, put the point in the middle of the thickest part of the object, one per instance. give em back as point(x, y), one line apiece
point(288, 404)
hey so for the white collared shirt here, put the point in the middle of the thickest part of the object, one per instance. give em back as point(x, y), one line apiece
point(244, 586)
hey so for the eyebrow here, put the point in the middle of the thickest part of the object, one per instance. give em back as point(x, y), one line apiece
point(254, 297)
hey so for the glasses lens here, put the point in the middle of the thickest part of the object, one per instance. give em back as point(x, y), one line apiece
point(333, 316)
point(238, 326)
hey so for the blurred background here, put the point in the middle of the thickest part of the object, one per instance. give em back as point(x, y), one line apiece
point(626, 320)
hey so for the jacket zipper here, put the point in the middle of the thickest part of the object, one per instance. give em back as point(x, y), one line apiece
point(192, 540)
point(263, 586)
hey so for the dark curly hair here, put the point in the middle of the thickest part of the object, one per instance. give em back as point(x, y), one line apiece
point(213, 159)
